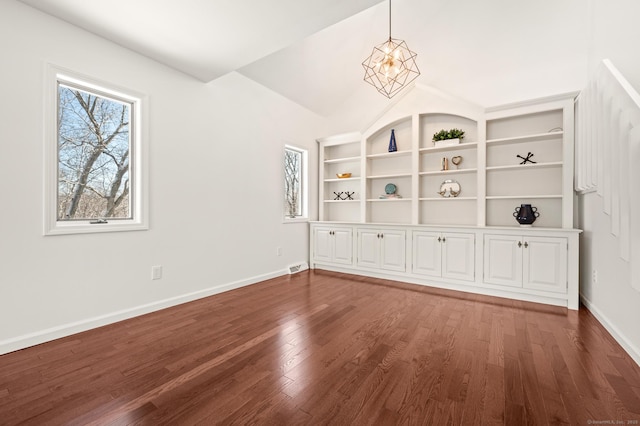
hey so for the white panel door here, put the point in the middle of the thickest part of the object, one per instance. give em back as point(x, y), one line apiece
point(368, 248)
point(392, 250)
point(458, 256)
point(343, 246)
point(323, 242)
point(427, 259)
point(503, 260)
point(545, 264)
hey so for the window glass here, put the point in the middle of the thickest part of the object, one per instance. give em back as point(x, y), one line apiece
point(93, 156)
point(295, 181)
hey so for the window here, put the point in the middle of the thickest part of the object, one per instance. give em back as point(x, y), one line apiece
point(94, 157)
point(295, 183)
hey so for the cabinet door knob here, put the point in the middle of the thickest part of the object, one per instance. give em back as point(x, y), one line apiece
point(439, 239)
point(381, 235)
point(444, 239)
point(526, 244)
point(519, 243)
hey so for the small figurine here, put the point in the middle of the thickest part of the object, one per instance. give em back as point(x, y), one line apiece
point(445, 164)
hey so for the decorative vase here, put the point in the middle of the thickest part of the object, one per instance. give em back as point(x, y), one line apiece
point(525, 214)
point(392, 142)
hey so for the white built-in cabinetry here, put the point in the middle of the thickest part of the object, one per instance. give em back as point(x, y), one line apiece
point(466, 239)
point(444, 254)
point(381, 249)
point(526, 261)
point(333, 244)
point(535, 264)
point(338, 154)
point(546, 131)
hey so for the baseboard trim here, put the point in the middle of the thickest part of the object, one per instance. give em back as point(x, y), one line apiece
point(64, 330)
point(629, 347)
point(455, 285)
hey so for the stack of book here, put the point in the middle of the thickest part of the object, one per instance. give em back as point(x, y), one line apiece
point(387, 196)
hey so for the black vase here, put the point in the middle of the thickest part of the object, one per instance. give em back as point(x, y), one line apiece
point(525, 214)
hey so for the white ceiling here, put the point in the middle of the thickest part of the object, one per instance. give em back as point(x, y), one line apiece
point(203, 38)
point(311, 50)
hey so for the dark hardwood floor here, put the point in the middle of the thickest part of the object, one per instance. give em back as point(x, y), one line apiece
point(321, 348)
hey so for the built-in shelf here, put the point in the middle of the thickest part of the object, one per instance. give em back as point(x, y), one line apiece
point(388, 200)
point(342, 160)
point(491, 172)
point(465, 145)
point(526, 166)
point(527, 138)
point(342, 179)
point(389, 154)
point(447, 172)
point(521, 197)
point(390, 176)
point(447, 198)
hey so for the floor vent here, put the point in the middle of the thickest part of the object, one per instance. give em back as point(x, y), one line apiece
point(297, 267)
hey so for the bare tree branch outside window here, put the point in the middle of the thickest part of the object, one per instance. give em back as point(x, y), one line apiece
point(293, 182)
point(93, 156)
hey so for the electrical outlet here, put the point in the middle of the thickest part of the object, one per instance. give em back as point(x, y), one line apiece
point(594, 276)
point(156, 272)
point(278, 251)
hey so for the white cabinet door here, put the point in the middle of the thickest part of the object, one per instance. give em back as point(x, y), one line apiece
point(545, 264)
point(427, 253)
point(368, 248)
point(382, 249)
point(323, 242)
point(392, 250)
point(447, 255)
point(334, 245)
point(536, 263)
point(458, 256)
point(503, 260)
point(343, 246)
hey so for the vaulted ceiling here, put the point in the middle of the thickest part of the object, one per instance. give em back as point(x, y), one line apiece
point(311, 50)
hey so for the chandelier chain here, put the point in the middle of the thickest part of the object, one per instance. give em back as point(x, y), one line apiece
point(389, 19)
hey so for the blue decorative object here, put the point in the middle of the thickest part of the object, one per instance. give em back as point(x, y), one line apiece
point(392, 142)
point(390, 189)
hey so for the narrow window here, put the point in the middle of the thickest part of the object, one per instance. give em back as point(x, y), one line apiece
point(295, 183)
point(96, 159)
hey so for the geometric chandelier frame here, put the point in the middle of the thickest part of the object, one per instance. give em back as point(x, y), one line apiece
point(391, 66)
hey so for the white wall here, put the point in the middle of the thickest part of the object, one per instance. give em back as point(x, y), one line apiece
point(215, 179)
point(614, 35)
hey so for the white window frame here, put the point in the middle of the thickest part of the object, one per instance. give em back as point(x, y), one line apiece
point(304, 174)
point(138, 168)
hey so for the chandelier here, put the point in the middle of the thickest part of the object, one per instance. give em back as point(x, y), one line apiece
point(391, 65)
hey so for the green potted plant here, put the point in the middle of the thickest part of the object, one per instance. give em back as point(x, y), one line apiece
point(448, 137)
